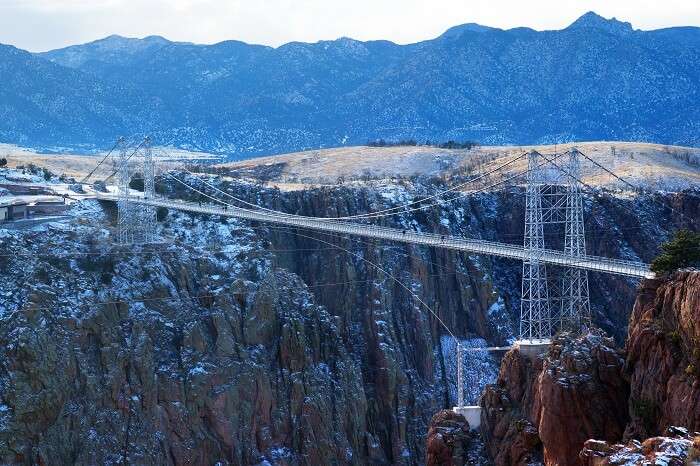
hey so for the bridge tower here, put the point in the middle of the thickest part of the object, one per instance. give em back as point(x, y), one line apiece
point(125, 211)
point(535, 312)
point(148, 213)
point(575, 305)
point(135, 223)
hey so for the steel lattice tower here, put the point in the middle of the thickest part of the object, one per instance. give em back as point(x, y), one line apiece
point(575, 306)
point(147, 225)
point(535, 313)
point(125, 215)
point(136, 223)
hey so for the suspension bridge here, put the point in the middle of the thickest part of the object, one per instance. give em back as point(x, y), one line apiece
point(553, 195)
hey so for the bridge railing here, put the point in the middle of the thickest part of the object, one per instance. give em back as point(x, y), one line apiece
point(510, 251)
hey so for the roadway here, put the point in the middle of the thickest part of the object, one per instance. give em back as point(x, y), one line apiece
point(490, 248)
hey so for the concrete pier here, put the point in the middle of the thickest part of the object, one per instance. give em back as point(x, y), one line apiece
point(533, 348)
point(471, 413)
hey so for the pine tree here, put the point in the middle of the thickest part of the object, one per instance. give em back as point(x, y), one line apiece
point(683, 250)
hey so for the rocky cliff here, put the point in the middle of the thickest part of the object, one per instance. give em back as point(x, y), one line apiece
point(576, 403)
point(546, 408)
point(448, 440)
point(676, 448)
point(193, 364)
point(663, 356)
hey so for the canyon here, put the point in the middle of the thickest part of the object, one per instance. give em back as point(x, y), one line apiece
point(240, 343)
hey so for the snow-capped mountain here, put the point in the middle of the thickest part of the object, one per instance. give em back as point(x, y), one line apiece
point(596, 79)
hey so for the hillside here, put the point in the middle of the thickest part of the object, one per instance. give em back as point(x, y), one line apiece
point(649, 165)
point(77, 166)
point(597, 79)
point(652, 166)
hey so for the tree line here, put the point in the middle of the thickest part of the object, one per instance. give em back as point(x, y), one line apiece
point(428, 143)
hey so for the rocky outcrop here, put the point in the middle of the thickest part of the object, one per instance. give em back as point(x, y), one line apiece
point(663, 356)
point(676, 448)
point(585, 391)
point(548, 407)
point(448, 439)
point(510, 437)
point(581, 396)
point(229, 381)
point(167, 354)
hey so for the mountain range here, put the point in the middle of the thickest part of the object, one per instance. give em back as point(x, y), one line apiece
point(598, 79)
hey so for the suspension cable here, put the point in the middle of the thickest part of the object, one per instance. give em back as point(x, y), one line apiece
point(127, 159)
point(389, 275)
point(592, 189)
point(462, 194)
point(119, 141)
point(384, 212)
point(636, 188)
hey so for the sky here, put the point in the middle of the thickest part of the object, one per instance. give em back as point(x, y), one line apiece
point(39, 25)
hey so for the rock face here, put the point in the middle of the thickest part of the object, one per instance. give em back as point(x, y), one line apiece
point(548, 407)
point(663, 356)
point(581, 395)
point(167, 354)
point(584, 389)
point(676, 448)
point(448, 439)
point(510, 437)
point(237, 381)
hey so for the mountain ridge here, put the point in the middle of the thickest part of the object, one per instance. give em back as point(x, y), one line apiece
point(589, 19)
point(596, 79)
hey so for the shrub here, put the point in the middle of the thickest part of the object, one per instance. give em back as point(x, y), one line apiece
point(683, 250)
point(3, 162)
point(458, 145)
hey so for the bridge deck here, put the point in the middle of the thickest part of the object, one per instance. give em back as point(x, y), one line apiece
point(510, 251)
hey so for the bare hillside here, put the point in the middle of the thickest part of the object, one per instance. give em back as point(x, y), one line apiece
point(651, 165)
point(77, 166)
point(658, 166)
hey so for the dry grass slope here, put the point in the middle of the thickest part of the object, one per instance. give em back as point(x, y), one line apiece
point(653, 165)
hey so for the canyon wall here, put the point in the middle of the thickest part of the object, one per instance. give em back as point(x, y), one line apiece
point(579, 401)
point(545, 408)
point(663, 356)
point(242, 343)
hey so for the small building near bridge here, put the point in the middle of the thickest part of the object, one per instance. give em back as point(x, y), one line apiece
point(18, 212)
point(14, 211)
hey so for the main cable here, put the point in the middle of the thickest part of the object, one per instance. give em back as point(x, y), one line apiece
point(384, 212)
point(283, 214)
point(119, 141)
point(634, 187)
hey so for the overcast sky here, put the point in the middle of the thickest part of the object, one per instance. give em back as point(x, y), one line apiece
point(39, 25)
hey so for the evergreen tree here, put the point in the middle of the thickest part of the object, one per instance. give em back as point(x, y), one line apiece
point(683, 250)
